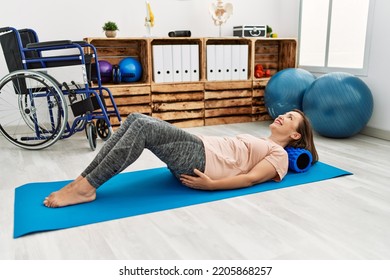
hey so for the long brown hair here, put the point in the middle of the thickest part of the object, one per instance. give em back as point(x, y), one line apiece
point(306, 141)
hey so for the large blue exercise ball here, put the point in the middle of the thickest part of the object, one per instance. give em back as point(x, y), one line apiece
point(131, 69)
point(338, 104)
point(284, 91)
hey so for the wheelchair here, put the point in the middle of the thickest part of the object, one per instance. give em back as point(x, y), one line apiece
point(44, 80)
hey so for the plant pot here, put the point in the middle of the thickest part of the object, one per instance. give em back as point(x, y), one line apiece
point(110, 33)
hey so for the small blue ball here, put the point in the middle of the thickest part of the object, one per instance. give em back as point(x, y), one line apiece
point(131, 70)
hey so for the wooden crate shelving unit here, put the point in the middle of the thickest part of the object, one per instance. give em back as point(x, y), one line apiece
point(180, 103)
point(129, 97)
point(275, 55)
point(228, 101)
point(202, 102)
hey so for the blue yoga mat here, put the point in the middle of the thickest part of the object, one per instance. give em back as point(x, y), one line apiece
point(134, 193)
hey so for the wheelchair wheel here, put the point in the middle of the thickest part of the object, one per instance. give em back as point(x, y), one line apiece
point(102, 129)
point(90, 130)
point(33, 110)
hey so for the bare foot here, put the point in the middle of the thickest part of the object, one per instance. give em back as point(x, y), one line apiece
point(76, 192)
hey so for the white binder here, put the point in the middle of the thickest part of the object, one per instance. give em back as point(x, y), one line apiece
point(227, 62)
point(194, 63)
point(186, 63)
point(243, 62)
point(219, 65)
point(158, 64)
point(236, 62)
point(177, 65)
point(210, 62)
point(168, 63)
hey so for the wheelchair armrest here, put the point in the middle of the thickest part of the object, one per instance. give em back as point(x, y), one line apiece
point(81, 43)
point(48, 44)
point(5, 29)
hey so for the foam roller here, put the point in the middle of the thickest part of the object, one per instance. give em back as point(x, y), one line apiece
point(299, 160)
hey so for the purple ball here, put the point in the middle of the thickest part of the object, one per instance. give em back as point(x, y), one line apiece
point(105, 68)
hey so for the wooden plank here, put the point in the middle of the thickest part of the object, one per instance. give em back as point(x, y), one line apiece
point(129, 100)
point(261, 118)
point(258, 102)
point(117, 42)
point(188, 123)
point(129, 89)
point(258, 92)
point(228, 111)
point(177, 87)
point(118, 51)
point(177, 41)
point(126, 110)
point(228, 41)
point(260, 83)
point(177, 106)
point(179, 115)
point(261, 57)
point(262, 47)
point(225, 85)
point(223, 94)
point(177, 96)
point(228, 103)
point(259, 110)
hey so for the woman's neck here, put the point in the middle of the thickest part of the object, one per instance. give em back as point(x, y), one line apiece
point(279, 140)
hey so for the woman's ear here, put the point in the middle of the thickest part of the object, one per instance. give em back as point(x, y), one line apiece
point(296, 135)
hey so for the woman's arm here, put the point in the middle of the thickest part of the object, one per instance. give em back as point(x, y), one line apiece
point(263, 171)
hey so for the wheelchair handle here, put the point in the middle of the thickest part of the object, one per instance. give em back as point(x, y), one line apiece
point(48, 44)
point(5, 29)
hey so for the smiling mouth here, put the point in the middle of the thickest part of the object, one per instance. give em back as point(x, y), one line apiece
point(278, 121)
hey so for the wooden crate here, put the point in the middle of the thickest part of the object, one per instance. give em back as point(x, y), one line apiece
point(228, 41)
point(114, 50)
point(129, 99)
point(228, 106)
point(179, 41)
point(274, 54)
point(259, 111)
point(181, 104)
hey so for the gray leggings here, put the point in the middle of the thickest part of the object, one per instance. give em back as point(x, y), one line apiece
point(180, 150)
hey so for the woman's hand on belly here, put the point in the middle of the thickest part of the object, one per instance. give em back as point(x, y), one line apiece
point(200, 182)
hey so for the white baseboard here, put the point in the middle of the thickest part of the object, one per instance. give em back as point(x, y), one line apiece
point(376, 132)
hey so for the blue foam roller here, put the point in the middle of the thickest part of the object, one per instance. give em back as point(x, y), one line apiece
point(299, 160)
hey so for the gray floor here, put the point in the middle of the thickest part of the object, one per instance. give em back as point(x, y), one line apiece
point(343, 218)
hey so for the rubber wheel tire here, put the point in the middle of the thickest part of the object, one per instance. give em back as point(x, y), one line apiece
point(102, 129)
point(90, 130)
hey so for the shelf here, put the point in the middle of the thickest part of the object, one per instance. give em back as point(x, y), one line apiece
point(201, 102)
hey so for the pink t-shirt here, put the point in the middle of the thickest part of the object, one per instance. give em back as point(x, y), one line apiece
point(230, 156)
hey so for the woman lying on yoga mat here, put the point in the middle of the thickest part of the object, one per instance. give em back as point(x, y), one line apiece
point(199, 162)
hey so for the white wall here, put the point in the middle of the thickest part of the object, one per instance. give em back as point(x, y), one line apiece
point(378, 78)
point(74, 19)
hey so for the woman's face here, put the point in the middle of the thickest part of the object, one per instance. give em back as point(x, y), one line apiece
point(287, 124)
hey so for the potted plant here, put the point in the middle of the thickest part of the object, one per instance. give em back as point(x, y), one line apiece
point(269, 30)
point(110, 29)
